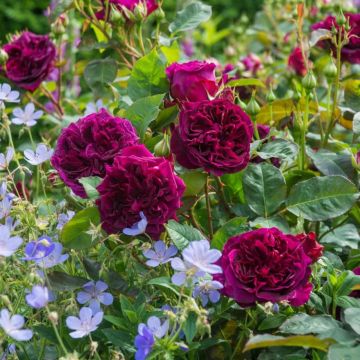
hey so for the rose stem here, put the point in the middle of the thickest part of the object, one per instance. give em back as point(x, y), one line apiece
point(208, 207)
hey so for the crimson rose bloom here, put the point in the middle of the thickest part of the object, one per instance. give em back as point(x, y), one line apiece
point(214, 135)
point(266, 265)
point(192, 81)
point(31, 59)
point(85, 147)
point(296, 62)
point(311, 247)
point(138, 181)
point(351, 51)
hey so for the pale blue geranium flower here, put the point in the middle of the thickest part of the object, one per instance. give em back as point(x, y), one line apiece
point(86, 323)
point(147, 333)
point(8, 244)
point(138, 228)
point(94, 294)
point(11, 223)
point(6, 158)
point(39, 297)
point(198, 260)
point(144, 342)
point(37, 250)
point(207, 289)
point(27, 117)
point(94, 107)
point(64, 218)
point(5, 200)
point(160, 254)
point(8, 95)
point(39, 156)
point(13, 326)
point(55, 257)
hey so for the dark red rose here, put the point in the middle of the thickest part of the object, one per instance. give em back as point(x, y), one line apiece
point(311, 247)
point(252, 63)
point(85, 147)
point(138, 181)
point(31, 59)
point(214, 135)
point(296, 62)
point(265, 265)
point(351, 51)
point(192, 81)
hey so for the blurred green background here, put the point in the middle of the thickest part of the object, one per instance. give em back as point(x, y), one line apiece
point(16, 15)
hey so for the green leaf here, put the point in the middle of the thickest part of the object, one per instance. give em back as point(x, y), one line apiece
point(122, 339)
point(264, 188)
point(346, 282)
point(74, 233)
point(233, 227)
point(275, 221)
point(143, 111)
point(280, 149)
point(190, 17)
point(346, 235)
point(100, 72)
point(182, 235)
point(90, 183)
point(352, 317)
point(301, 324)
point(189, 327)
point(164, 282)
point(194, 181)
point(272, 322)
point(352, 94)
point(307, 341)
point(322, 198)
point(63, 282)
point(245, 82)
point(330, 163)
point(148, 77)
point(343, 352)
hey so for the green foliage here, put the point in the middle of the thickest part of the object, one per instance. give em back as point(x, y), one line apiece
point(182, 235)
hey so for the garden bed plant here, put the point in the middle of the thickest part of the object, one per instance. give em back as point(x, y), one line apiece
point(176, 187)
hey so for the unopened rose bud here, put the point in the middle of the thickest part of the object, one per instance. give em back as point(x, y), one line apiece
point(162, 148)
point(330, 71)
point(341, 19)
point(271, 97)
point(116, 16)
point(140, 11)
point(253, 107)
point(309, 82)
point(159, 14)
point(3, 57)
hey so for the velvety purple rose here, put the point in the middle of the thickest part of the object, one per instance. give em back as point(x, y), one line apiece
point(137, 181)
point(86, 146)
point(192, 81)
point(351, 51)
point(214, 135)
point(296, 62)
point(265, 265)
point(311, 247)
point(252, 63)
point(31, 59)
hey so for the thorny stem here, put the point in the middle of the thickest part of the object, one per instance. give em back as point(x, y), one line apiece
point(222, 195)
point(336, 90)
point(208, 207)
